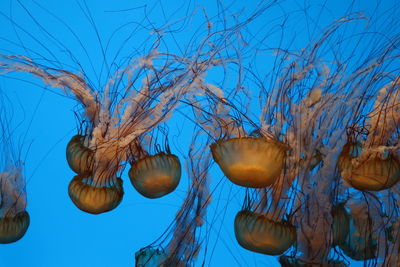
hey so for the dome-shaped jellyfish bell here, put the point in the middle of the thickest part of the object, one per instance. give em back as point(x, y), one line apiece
point(156, 176)
point(257, 233)
point(13, 228)
point(373, 174)
point(250, 162)
point(79, 156)
point(95, 198)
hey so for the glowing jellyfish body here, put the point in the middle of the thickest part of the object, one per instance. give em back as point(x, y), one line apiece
point(79, 156)
point(92, 198)
point(257, 233)
point(156, 176)
point(373, 174)
point(250, 162)
point(14, 219)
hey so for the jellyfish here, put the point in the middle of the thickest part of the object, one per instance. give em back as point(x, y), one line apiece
point(373, 174)
point(250, 162)
point(304, 114)
point(340, 224)
point(360, 245)
point(14, 219)
point(157, 175)
point(185, 241)
point(154, 176)
point(258, 233)
point(371, 163)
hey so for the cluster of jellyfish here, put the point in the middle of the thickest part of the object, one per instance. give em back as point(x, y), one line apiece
point(320, 165)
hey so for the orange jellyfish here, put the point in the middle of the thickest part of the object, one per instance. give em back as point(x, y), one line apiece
point(156, 176)
point(88, 194)
point(250, 162)
point(14, 219)
point(184, 235)
point(371, 174)
point(260, 234)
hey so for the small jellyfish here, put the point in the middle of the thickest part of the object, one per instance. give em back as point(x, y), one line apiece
point(260, 234)
point(156, 176)
point(182, 241)
point(14, 219)
point(250, 162)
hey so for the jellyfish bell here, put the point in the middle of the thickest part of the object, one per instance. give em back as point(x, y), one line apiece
point(14, 228)
point(359, 245)
point(360, 242)
point(340, 224)
point(156, 176)
point(93, 198)
point(372, 174)
point(149, 257)
point(250, 162)
point(14, 219)
point(79, 156)
point(258, 233)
